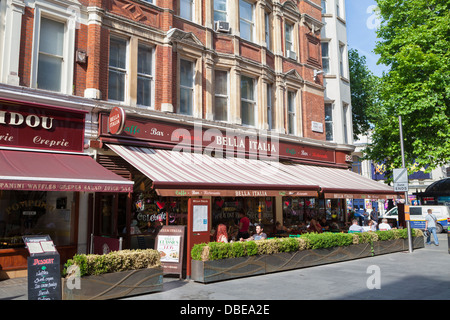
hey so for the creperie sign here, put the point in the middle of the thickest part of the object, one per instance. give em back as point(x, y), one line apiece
point(50, 128)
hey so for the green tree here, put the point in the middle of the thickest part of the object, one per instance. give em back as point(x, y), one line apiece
point(364, 85)
point(414, 43)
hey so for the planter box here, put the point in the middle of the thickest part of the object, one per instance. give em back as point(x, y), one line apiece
point(227, 269)
point(116, 285)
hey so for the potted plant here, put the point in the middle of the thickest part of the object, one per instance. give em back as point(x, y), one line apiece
point(222, 261)
point(113, 275)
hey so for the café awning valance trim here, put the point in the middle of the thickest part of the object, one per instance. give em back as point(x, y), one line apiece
point(45, 171)
point(190, 174)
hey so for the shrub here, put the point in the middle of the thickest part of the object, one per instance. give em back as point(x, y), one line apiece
point(115, 261)
point(215, 251)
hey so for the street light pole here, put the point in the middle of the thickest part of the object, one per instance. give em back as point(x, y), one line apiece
point(408, 222)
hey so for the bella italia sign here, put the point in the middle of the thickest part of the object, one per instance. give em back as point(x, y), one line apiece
point(34, 126)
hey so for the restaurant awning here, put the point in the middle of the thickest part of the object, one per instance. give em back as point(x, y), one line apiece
point(341, 183)
point(196, 174)
point(44, 171)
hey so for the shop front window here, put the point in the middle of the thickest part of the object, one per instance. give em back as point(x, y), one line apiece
point(35, 212)
point(297, 211)
point(226, 210)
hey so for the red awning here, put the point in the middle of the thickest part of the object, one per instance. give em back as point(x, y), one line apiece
point(196, 174)
point(41, 171)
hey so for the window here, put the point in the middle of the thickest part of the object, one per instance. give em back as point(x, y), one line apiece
point(345, 123)
point(325, 58)
point(186, 9)
point(221, 96)
point(341, 60)
point(186, 87)
point(117, 69)
point(288, 37)
point(145, 77)
point(338, 9)
point(291, 112)
point(220, 10)
point(356, 165)
point(267, 30)
point(329, 121)
point(246, 23)
point(269, 107)
point(324, 6)
point(50, 61)
point(248, 103)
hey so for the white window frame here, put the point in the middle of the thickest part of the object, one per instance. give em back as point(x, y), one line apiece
point(249, 101)
point(290, 40)
point(192, 8)
point(291, 112)
point(125, 70)
point(345, 109)
point(267, 29)
point(220, 11)
point(222, 96)
point(330, 121)
point(62, 15)
point(147, 76)
point(342, 72)
point(270, 108)
point(326, 58)
point(191, 89)
point(249, 22)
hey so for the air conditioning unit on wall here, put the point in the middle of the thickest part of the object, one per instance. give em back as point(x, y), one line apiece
point(291, 54)
point(222, 26)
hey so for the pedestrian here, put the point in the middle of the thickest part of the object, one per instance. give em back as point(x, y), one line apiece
point(430, 225)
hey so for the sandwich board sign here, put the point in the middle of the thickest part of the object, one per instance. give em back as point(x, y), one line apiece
point(401, 180)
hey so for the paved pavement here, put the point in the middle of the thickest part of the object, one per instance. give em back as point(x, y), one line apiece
point(421, 275)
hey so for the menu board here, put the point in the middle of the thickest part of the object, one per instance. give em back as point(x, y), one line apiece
point(200, 218)
point(44, 274)
point(44, 277)
point(170, 245)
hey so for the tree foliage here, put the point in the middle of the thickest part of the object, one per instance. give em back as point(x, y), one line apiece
point(414, 43)
point(364, 85)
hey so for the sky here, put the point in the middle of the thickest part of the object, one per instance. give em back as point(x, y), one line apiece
point(361, 31)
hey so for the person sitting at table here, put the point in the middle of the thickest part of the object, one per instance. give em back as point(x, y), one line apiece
point(384, 226)
point(324, 223)
point(222, 235)
point(259, 235)
point(279, 229)
point(372, 225)
point(355, 227)
point(314, 226)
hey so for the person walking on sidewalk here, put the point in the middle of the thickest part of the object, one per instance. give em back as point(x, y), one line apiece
point(430, 225)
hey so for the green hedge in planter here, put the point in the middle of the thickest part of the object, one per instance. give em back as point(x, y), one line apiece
point(115, 261)
point(217, 251)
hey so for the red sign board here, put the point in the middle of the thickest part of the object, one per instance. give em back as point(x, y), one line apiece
point(195, 136)
point(116, 120)
point(36, 127)
point(199, 213)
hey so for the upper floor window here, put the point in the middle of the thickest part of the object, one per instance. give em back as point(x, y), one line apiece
point(291, 113)
point(325, 58)
point(246, 20)
point(51, 55)
point(221, 96)
point(187, 9)
point(186, 87)
point(329, 121)
point(270, 108)
point(117, 69)
point(220, 10)
point(267, 30)
point(341, 60)
point(289, 41)
point(324, 6)
point(144, 75)
point(248, 102)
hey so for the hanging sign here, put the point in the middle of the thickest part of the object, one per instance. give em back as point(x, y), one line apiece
point(116, 120)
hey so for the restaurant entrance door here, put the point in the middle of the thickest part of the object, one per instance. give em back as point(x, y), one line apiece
point(111, 222)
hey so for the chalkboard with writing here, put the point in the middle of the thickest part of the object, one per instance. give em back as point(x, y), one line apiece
point(44, 277)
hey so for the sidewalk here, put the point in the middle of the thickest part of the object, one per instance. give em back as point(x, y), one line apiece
point(421, 275)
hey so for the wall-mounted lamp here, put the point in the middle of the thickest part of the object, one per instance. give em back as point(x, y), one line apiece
point(316, 73)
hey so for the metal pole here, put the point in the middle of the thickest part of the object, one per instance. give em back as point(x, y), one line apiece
point(408, 222)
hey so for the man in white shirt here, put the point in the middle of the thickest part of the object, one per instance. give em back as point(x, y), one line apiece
point(430, 224)
point(355, 227)
point(384, 226)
